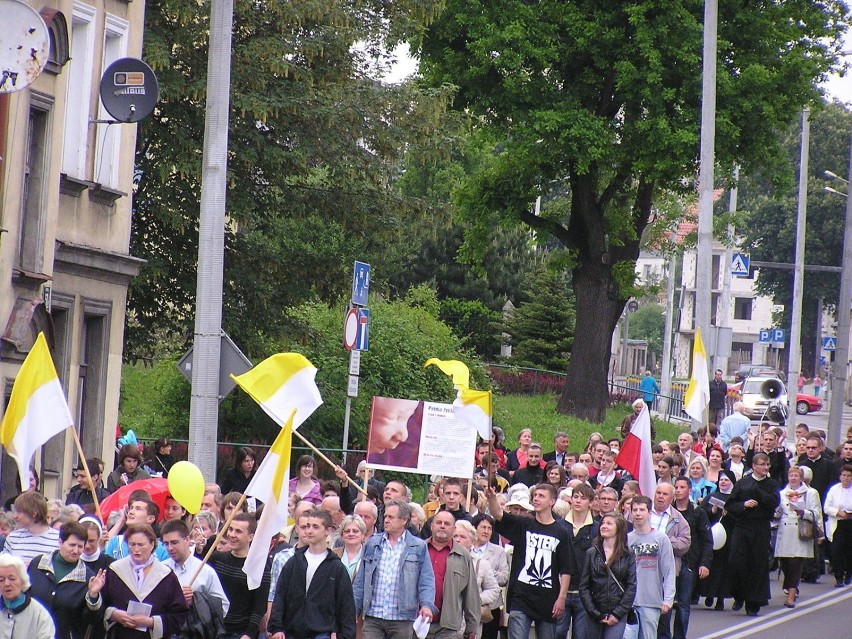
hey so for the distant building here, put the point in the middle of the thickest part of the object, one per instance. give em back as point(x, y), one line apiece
point(65, 210)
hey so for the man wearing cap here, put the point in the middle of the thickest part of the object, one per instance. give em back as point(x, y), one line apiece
point(81, 494)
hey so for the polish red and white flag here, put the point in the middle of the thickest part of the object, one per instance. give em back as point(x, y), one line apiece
point(635, 456)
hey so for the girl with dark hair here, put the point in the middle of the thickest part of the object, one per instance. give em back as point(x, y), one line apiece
point(499, 445)
point(608, 583)
point(129, 468)
point(161, 461)
point(555, 474)
point(238, 477)
point(305, 483)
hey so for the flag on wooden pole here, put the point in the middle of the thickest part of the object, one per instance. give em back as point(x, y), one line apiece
point(697, 396)
point(37, 408)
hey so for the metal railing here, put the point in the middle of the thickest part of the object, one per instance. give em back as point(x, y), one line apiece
point(671, 405)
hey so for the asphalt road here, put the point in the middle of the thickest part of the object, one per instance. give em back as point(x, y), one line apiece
point(821, 612)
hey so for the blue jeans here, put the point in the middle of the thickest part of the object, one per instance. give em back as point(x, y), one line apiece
point(649, 618)
point(520, 624)
point(683, 594)
point(595, 630)
point(574, 618)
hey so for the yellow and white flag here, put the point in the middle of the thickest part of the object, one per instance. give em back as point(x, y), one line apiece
point(697, 396)
point(453, 368)
point(281, 384)
point(37, 409)
point(284, 387)
point(474, 408)
point(270, 485)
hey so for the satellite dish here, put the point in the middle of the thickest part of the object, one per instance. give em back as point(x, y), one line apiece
point(24, 46)
point(129, 90)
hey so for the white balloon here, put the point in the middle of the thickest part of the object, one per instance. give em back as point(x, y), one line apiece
point(720, 536)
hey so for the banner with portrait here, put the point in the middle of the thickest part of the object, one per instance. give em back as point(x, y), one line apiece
point(413, 436)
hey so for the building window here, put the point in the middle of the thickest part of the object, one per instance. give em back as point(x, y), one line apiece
point(91, 389)
point(717, 268)
point(79, 98)
point(109, 135)
point(742, 308)
point(33, 188)
point(57, 29)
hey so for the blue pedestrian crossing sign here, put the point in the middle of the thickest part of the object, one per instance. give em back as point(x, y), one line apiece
point(360, 283)
point(829, 343)
point(740, 265)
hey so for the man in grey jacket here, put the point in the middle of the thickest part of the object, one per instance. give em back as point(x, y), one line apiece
point(665, 518)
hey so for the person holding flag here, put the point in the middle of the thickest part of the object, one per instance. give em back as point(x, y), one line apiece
point(636, 456)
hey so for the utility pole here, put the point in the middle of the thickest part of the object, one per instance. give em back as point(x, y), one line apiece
point(723, 313)
point(794, 361)
point(204, 403)
point(666, 369)
point(841, 355)
point(704, 255)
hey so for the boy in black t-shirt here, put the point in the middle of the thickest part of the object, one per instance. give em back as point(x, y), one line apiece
point(542, 564)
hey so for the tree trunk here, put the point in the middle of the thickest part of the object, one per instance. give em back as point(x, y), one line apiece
point(585, 393)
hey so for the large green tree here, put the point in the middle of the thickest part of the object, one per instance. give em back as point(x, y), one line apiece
point(314, 142)
point(599, 102)
point(770, 230)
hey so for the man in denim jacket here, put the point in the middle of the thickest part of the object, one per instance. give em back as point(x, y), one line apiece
point(396, 583)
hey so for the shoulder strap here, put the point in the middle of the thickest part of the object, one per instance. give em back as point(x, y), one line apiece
point(609, 570)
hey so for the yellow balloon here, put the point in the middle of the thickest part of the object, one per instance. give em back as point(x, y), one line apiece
point(186, 485)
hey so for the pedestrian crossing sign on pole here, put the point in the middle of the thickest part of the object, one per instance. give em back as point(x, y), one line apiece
point(829, 343)
point(740, 265)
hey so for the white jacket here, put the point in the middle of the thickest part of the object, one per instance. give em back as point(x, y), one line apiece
point(787, 543)
point(32, 621)
point(832, 507)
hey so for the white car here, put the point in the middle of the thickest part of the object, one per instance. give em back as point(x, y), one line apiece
point(756, 404)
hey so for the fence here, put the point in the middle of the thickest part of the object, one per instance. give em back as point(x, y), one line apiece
point(522, 380)
point(673, 407)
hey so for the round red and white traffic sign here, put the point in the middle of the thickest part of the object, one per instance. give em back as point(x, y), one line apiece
point(350, 329)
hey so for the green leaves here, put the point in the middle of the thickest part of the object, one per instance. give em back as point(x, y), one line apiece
point(314, 142)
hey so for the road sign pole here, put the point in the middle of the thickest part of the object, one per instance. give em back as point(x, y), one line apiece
point(346, 427)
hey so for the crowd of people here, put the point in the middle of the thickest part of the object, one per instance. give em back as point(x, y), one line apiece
point(558, 539)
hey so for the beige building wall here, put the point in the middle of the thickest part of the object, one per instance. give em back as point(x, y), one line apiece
point(66, 188)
